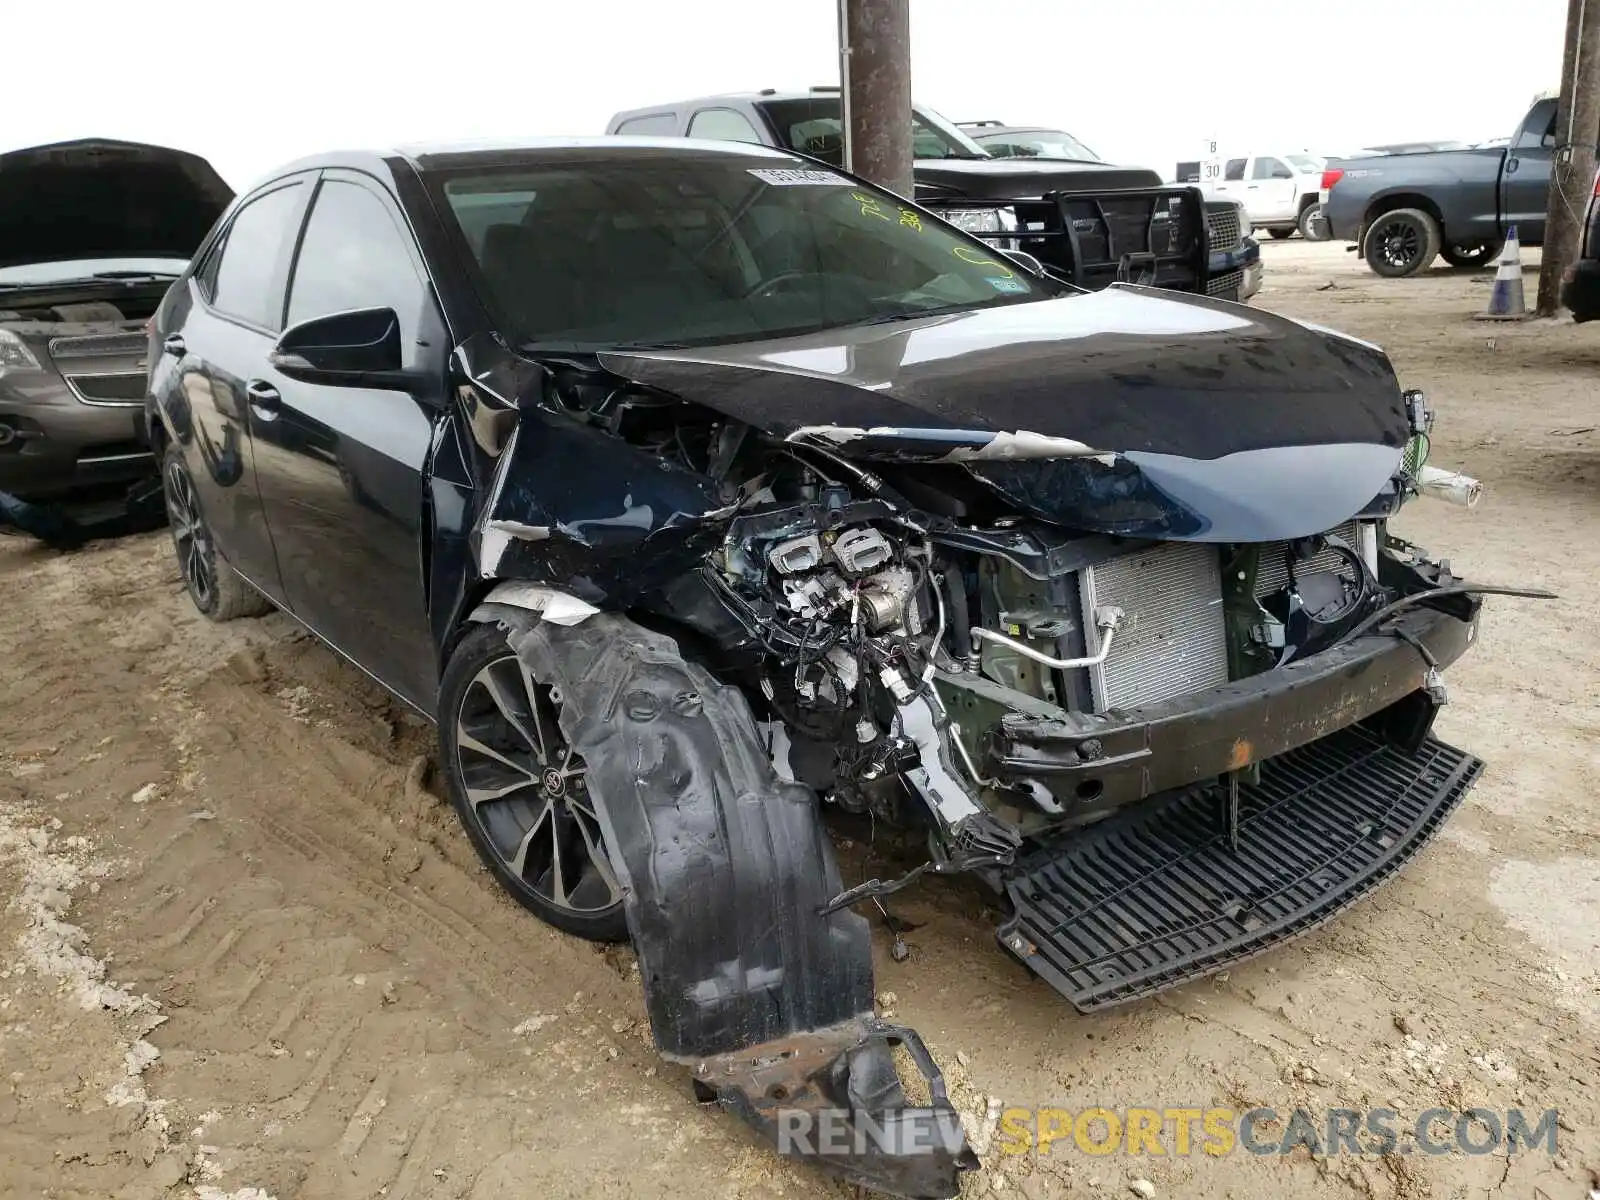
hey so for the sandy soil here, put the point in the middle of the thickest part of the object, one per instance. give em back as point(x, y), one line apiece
point(247, 948)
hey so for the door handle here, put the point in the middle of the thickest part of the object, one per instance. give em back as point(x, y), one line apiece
point(1511, 166)
point(173, 343)
point(265, 401)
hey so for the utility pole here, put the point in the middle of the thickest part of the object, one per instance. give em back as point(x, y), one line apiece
point(1573, 165)
point(875, 55)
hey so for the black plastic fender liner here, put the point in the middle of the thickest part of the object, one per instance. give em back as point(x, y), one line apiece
point(723, 867)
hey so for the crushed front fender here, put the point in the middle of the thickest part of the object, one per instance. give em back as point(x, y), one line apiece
point(724, 867)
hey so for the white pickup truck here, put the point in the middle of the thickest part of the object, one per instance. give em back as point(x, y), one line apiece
point(1280, 192)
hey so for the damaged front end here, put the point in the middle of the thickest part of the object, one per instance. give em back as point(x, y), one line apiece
point(1173, 707)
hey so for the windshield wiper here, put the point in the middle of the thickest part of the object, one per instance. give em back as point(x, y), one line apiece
point(131, 276)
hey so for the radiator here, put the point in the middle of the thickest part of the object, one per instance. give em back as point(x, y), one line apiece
point(1173, 637)
point(1272, 575)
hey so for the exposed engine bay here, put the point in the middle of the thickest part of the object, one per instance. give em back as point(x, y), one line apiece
point(892, 642)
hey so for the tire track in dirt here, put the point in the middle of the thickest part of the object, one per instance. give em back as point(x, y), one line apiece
point(342, 992)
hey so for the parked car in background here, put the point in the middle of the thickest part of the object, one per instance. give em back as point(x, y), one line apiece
point(1280, 192)
point(1027, 141)
point(1090, 222)
point(92, 233)
point(1580, 285)
point(1403, 210)
point(687, 484)
point(1405, 148)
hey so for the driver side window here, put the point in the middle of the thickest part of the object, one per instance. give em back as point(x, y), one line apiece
point(354, 256)
point(1271, 168)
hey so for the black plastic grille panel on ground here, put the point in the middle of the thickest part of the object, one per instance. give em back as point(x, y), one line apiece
point(1156, 897)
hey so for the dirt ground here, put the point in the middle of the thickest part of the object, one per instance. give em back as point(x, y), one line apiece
point(248, 953)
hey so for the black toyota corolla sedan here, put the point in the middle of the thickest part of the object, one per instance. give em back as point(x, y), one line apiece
point(693, 488)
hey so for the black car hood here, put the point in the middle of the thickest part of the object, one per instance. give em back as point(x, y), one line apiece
point(1127, 411)
point(1022, 179)
point(98, 198)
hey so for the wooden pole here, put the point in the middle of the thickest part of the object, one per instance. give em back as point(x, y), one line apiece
point(1572, 168)
point(878, 37)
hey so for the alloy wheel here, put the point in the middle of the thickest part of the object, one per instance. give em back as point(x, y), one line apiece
point(190, 537)
point(526, 791)
point(1400, 243)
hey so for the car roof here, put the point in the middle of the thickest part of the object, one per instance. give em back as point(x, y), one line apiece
point(423, 156)
point(749, 97)
point(982, 129)
point(620, 146)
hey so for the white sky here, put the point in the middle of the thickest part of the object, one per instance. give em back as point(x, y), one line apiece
point(1141, 81)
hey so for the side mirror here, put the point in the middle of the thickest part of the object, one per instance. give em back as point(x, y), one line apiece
point(1025, 260)
point(348, 349)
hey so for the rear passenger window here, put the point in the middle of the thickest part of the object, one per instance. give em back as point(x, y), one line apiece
point(247, 283)
point(654, 125)
point(723, 124)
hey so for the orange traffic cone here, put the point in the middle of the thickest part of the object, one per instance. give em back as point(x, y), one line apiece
point(1506, 301)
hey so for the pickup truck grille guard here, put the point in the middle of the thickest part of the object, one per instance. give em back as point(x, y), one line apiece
point(1155, 236)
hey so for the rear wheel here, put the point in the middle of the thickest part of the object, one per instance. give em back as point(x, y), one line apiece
point(218, 591)
point(1471, 254)
point(1400, 243)
point(1308, 223)
point(519, 790)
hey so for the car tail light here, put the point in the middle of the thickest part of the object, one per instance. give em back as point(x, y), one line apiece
point(1331, 176)
point(1597, 184)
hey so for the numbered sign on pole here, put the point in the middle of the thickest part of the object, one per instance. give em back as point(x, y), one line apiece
point(1210, 164)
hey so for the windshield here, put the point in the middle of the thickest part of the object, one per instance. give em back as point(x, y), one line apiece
point(812, 127)
point(46, 274)
point(1305, 162)
point(1036, 143)
point(706, 249)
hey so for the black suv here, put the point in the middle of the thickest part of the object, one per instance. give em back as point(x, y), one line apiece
point(694, 489)
point(1580, 285)
point(1088, 221)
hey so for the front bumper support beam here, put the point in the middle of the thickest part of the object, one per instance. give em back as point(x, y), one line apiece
point(1123, 756)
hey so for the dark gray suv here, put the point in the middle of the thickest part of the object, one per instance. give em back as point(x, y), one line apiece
point(92, 233)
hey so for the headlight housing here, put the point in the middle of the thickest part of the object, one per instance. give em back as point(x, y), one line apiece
point(982, 220)
point(15, 355)
point(973, 220)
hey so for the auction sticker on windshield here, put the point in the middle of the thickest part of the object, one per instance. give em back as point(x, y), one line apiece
point(794, 176)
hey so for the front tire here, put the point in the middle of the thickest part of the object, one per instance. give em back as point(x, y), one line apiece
point(216, 589)
point(519, 790)
point(1401, 242)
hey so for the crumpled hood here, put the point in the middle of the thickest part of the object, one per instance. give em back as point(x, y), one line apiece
point(98, 198)
point(1128, 410)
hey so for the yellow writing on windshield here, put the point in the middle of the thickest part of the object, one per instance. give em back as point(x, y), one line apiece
point(870, 206)
point(910, 220)
point(976, 258)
